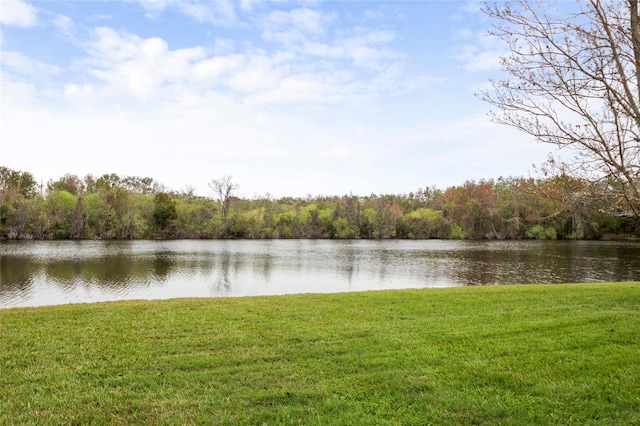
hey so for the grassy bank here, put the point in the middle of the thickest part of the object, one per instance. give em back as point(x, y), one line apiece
point(552, 354)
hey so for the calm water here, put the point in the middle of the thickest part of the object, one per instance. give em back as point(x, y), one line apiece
point(44, 273)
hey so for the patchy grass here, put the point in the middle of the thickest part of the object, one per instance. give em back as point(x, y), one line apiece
point(551, 354)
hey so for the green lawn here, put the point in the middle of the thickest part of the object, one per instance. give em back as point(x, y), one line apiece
point(531, 354)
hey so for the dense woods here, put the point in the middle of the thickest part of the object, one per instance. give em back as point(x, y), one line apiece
point(114, 207)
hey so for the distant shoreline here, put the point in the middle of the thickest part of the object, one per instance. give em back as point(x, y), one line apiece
point(123, 208)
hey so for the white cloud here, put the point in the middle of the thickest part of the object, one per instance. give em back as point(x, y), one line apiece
point(309, 21)
point(99, 17)
point(257, 77)
point(219, 12)
point(212, 70)
point(476, 59)
point(488, 60)
point(64, 24)
point(142, 66)
point(154, 7)
point(368, 49)
point(23, 64)
point(338, 152)
point(222, 45)
point(300, 89)
point(109, 45)
point(482, 55)
point(19, 91)
point(18, 13)
point(323, 50)
point(78, 91)
point(472, 7)
point(464, 34)
point(364, 48)
point(301, 21)
point(290, 37)
point(149, 69)
point(247, 4)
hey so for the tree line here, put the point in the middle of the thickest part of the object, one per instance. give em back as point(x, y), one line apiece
point(114, 207)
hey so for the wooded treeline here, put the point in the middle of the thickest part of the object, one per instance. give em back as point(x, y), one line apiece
point(114, 207)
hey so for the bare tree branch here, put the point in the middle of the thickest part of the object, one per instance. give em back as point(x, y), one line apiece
point(224, 188)
point(573, 82)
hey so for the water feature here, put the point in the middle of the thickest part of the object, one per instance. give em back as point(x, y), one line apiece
point(36, 273)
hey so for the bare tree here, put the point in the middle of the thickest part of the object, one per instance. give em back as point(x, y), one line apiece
point(573, 82)
point(224, 188)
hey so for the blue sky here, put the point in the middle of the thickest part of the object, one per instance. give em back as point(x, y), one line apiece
point(289, 98)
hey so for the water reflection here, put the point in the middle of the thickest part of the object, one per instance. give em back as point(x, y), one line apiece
point(38, 273)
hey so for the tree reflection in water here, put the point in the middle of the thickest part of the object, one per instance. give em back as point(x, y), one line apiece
point(62, 272)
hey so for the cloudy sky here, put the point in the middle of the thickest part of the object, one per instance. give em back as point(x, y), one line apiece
point(287, 97)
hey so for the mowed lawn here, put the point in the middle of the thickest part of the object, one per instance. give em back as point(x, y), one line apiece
point(529, 354)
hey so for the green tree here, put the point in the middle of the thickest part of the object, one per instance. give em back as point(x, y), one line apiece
point(70, 183)
point(198, 217)
point(78, 230)
point(14, 182)
point(423, 223)
point(369, 223)
point(94, 211)
point(108, 181)
point(118, 215)
point(60, 207)
point(164, 213)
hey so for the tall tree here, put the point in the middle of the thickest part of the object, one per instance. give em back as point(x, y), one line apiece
point(164, 212)
point(70, 183)
point(17, 182)
point(573, 81)
point(224, 188)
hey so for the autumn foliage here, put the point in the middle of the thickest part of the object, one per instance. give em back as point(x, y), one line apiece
point(112, 207)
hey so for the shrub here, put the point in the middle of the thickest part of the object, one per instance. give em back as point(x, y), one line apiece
point(540, 232)
point(456, 232)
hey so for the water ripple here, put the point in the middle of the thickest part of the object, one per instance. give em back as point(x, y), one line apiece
point(36, 273)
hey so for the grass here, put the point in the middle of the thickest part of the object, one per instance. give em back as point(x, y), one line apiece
point(553, 354)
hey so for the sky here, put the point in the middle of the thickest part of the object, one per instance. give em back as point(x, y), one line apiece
point(289, 98)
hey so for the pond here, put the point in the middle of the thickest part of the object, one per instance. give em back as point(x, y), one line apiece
point(34, 273)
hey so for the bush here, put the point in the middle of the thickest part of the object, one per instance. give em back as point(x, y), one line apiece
point(540, 232)
point(456, 232)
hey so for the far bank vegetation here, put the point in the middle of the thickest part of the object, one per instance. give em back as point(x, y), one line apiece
point(115, 207)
